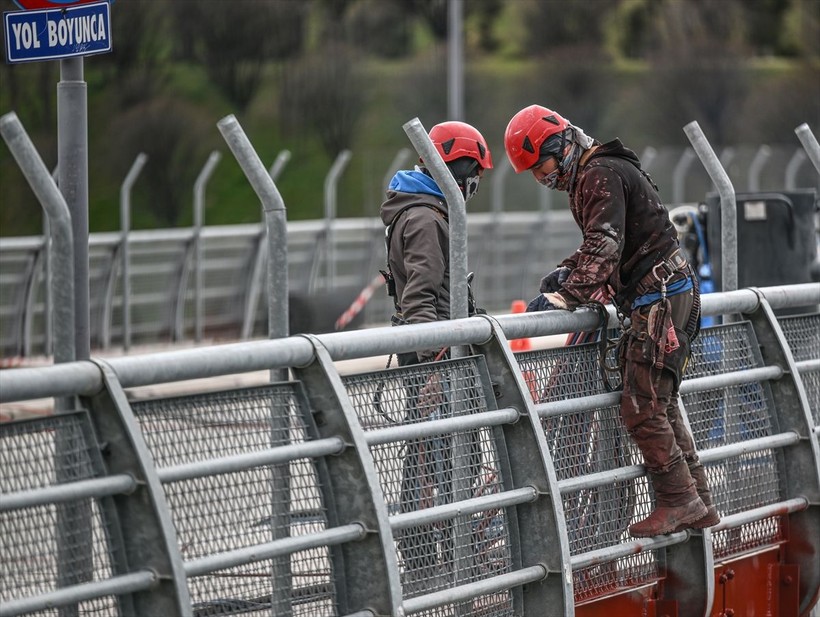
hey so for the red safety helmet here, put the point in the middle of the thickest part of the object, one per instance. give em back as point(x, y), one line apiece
point(525, 133)
point(455, 140)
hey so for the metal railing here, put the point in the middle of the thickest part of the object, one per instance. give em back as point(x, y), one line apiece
point(494, 483)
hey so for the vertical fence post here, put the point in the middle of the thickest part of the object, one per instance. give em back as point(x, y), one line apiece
point(125, 253)
point(648, 157)
point(279, 164)
point(728, 204)
point(199, 210)
point(331, 189)
point(679, 176)
point(810, 144)
point(277, 288)
point(795, 162)
point(457, 216)
point(500, 172)
point(756, 166)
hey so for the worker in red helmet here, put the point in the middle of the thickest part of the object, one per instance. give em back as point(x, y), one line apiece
point(629, 254)
point(417, 238)
point(418, 233)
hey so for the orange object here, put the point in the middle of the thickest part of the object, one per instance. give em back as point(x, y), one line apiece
point(520, 344)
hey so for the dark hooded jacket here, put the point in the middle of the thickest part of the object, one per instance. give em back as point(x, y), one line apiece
point(626, 228)
point(419, 250)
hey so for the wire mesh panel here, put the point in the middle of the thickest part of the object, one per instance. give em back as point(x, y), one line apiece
point(584, 443)
point(218, 513)
point(417, 474)
point(47, 547)
point(803, 335)
point(731, 415)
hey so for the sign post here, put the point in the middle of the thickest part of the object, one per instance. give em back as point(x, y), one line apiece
point(66, 30)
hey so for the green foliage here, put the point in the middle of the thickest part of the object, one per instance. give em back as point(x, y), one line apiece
point(317, 77)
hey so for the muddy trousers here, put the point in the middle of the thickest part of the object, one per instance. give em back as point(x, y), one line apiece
point(651, 413)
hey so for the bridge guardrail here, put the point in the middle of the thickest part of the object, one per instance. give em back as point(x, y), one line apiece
point(495, 484)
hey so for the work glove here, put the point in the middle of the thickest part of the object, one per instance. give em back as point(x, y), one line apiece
point(554, 280)
point(547, 302)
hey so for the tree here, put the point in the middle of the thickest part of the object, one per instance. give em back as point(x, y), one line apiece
point(323, 94)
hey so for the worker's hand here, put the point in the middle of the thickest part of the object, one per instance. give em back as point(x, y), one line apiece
point(554, 280)
point(431, 395)
point(540, 303)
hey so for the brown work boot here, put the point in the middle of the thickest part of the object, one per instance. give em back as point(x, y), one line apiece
point(668, 519)
point(712, 517)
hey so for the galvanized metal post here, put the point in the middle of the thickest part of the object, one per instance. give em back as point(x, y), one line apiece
point(500, 171)
point(728, 205)
point(756, 166)
point(199, 216)
point(279, 164)
point(276, 226)
point(679, 176)
point(457, 215)
point(125, 253)
point(331, 187)
point(810, 144)
point(648, 157)
point(72, 161)
point(455, 60)
point(73, 534)
point(795, 162)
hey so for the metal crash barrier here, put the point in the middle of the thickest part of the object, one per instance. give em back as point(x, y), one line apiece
point(492, 484)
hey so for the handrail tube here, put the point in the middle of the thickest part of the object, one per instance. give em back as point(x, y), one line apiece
point(808, 366)
point(726, 380)
point(445, 512)
point(722, 453)
point(600, 478)
point(575, 405)
point(56, 208)
point(72, 491)
point(331, 188)
point(756, 166)
point(610, 553)
point(810, 144)
point(732, 521)
point(251, 460)
point(463, 593)
point(433, 428)
point(277, 548)
point(275, 221)
point(457, 216)
point(728, 205)
point(125, 252)
point(114, 586)
point(199, 215)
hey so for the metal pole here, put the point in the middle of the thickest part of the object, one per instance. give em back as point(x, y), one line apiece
point(756, 166)
point(279, 164)
point(125, 254)
point(455, 63)
point(798, 158)
point(728, 205)
point(727, 156)
point(73, 529)
point(679, 175)
point(49, 303)
point(199, 216)
point(402, 155)
point(57, 212)
point(72, 161)
point(276, 226)
point(497, 209)
point(648, 157)
point(331, 185)
point(809, 142)
point(277, 237)
point(457, 215)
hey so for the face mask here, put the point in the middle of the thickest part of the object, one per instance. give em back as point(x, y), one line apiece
point(471, 187)
point(560, 180)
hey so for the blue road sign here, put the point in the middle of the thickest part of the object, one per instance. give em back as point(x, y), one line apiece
point(53, 34)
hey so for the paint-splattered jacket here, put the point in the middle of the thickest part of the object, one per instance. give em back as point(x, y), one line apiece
point(622, 220)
